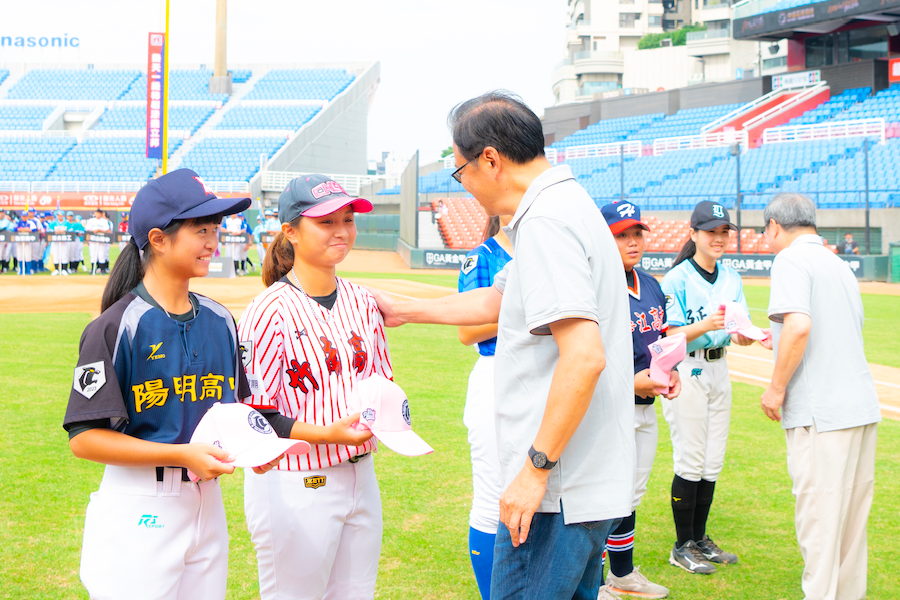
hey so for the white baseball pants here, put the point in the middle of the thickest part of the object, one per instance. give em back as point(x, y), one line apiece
point(833, 477)
point(698, 418)
point(646, 434)
point(152, 540)
point(316, 542)
point(478, 417)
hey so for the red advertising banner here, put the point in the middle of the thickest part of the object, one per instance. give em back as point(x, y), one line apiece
point(41, 201)
point(894, 70)
point(156, 118)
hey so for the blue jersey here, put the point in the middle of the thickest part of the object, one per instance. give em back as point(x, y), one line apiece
point(648, 321)
point(29, 224)
point(690, 298)
point(154, 377)
point(257, 231)
point(478, 270)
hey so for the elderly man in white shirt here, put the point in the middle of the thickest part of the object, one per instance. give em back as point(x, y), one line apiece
point(823, 393)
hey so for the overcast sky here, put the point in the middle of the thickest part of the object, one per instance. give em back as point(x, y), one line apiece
point(433, 54)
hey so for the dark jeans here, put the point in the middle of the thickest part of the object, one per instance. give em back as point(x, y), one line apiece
point(557, 561)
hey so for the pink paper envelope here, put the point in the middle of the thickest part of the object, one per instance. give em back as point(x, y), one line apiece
point(665, 354)
point(384, 409)
point(737, 321)
point(244, 433)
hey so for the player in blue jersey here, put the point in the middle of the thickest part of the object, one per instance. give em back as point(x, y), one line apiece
point(149, 367)
point(648, 324)
point(695, 289)
point(478, 270)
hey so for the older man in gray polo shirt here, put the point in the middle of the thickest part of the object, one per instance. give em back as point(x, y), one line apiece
point(830, 407)
point(564, 377)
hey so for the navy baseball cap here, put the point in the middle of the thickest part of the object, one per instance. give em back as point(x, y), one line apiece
point(709, 215)
point(621, 214)
point(316, 196)
point(181, 194)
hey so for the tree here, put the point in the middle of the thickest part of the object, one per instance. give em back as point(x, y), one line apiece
point(447, 152)
point(678, 37)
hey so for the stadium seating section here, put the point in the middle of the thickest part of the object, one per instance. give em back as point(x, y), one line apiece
point(183, 85)
point(23, 117)
point(301, 84)
point(230, 159)
point(4, 73)
point(107, 159)
point(827, 110)
point(31, 158)
point(463, 225)
point(241, 75)
point(135, 117)
point(268, 117)
point(608, 131)
point(74, 84)
point(684, 122)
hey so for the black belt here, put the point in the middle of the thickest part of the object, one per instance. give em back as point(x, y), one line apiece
point(356, 459)
point(710, 354)
point(160, 473)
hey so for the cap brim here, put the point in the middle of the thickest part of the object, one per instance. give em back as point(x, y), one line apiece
point(407, 443)
point(753, 332)
point(360, 205)
point(710, 225)
point(621, 226)
point(268, 451)
point(223, 206)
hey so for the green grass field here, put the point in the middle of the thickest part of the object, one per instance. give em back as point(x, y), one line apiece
point(44, 490)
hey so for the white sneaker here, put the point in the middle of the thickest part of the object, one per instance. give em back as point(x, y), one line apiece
point(635, 584)
point(64, 273)
point(605, 594)
point(56, 272)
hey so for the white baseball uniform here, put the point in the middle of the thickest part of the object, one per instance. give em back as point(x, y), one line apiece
point(315, 520)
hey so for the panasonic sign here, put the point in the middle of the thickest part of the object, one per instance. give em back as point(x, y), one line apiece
point(63, 41)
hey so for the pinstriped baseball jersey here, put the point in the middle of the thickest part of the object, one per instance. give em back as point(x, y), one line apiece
point(304, 360)
point(690, 298)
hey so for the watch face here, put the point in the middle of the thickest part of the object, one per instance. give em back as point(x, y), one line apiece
point(539, 460)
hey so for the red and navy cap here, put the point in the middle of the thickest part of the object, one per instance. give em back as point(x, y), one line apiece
point(621, 214)
point(316, 196)
point(181, 194)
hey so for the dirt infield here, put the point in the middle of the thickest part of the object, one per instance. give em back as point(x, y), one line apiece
point(752, 364)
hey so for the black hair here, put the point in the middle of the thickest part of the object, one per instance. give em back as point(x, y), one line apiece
point(687, 251)
point(498, 119)
point(129, 268)
point(492, 228)
point(279, 258)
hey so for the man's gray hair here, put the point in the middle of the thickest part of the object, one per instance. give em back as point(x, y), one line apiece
point(791, 211)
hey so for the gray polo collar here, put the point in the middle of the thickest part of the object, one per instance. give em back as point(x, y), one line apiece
point(551, 176)
point(809, 238)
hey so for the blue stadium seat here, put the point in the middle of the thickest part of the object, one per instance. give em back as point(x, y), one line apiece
point(135, 117)
point(31, 158)
point(23, 117)
point(73, 84)
point(183, 85)
point(268, 117)
point(301, 84)
point(230, 158)
point(108, 159)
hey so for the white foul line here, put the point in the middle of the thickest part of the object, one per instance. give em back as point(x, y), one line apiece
point(772, 362)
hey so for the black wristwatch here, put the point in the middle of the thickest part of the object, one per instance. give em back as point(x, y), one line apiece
point(539, 459)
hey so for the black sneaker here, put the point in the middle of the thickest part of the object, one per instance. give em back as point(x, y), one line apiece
point(715, 554)
point(689, 558)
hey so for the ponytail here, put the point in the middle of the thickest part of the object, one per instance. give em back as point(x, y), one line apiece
point(687, 251)
point(128, 271)
point(492, 228)
point(279, 259)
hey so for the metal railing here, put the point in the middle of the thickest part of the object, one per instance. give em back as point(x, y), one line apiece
point(709, 34)
point(94, 187)
point(793, 102)
point(16, 187)
point(276, 181)
point(756, 200)
point(239, 133)
point(600, 55)
point(704, 140)
point(613, 149)
point(826, 131)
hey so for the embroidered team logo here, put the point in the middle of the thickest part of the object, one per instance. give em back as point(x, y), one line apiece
point(326, 188)
point(470, 264)
point(360, 356)
point(331, 356)
point(89, 379)
point(314, 482)
point(718, 211)
point(670, 301)
point(368, 415)
point(206, 189)
point(259, 423)
point(298, 333)
point(625, 210)
point(696, 372)
point(656, 348)
point(154, 348)
point(731, 325)
point(405, 410)
point(299, 374)
point(246, 350)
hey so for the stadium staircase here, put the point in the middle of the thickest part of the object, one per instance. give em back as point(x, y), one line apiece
point(429, 233)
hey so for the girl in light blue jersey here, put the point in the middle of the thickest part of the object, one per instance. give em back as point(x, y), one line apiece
point(695, 289)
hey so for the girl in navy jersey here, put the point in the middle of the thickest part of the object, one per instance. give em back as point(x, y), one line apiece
point(316, 520)
point(149, 368)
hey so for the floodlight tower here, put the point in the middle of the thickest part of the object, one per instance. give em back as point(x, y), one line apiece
point(220, 82)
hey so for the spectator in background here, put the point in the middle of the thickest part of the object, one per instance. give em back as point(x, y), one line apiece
point(829, 399)
point(848, 246)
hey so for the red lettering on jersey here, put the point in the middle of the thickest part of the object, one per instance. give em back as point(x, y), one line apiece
point(298, 373)
point(642, 322)
point(657, 314)
point(633, 325)
point(331, 356)
point(360, 356)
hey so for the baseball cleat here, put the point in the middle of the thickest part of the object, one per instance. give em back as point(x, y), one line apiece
point(689, 558)
point(605, 594)
point(635, 585)
point(715, 554)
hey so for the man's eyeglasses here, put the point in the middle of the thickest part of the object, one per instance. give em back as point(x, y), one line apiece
point(457, 174)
